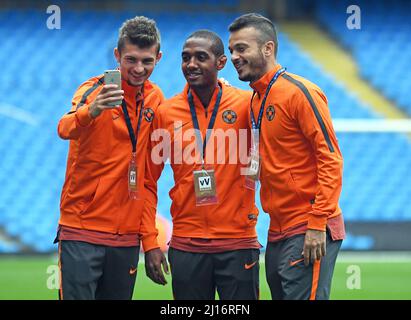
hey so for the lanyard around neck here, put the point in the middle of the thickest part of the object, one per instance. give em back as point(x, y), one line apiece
point(133, 134)
point(257, 125)
point(202, 145)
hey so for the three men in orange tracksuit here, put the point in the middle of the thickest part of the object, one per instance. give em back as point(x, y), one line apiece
point(214, 242)
point(301, 165)
point(101, 223)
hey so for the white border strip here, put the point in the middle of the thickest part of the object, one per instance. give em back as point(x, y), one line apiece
point(18, 114)
point(372, 125)
point(374, 257)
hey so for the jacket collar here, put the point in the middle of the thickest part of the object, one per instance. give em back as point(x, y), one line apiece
point(196, 99)
point(261, 84)
point(136, 93)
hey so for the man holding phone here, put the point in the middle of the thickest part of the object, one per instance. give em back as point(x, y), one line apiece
point(101, 204)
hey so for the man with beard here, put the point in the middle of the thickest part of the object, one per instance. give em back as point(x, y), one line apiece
point(301, 165)
point(101, 204)
point(214, 243)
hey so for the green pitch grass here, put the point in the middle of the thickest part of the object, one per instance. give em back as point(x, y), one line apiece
point(27, 278)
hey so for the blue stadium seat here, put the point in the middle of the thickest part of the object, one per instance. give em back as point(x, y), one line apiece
point(9, 248)
point(382, 47)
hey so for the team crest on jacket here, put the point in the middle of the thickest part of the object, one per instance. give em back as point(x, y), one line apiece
point(270, 113)
point(229, 116)
point(148, 114)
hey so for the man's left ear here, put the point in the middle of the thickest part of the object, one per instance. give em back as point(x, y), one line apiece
point(221, 61)
point(269, 48)
point(159, 55)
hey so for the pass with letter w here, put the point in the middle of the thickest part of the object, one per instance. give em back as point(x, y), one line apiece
point(204, 183)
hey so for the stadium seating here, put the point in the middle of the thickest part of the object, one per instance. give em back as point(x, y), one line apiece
point(382, 47)
point(8, 248)
point(44, 67)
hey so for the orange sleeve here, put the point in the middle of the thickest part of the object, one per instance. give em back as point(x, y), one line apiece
point(314, 119)
point(72, 124)
point(247, 97)
point(153, 170)
point(160, 96)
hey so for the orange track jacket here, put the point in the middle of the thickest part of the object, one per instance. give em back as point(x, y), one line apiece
point(301, 174)
point(95, 192)
point(235, 215)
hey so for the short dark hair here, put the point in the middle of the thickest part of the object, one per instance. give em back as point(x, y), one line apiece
point(262, 24)
point(140, 31)
point(217, 46)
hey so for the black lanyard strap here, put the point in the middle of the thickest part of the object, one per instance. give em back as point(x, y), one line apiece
point(202, 145)
point(254, 125)
point(133, 134)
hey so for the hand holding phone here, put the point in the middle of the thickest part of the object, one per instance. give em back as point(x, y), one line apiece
point(110, 96)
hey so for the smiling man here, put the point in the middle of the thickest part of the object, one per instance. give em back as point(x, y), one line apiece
point(301, 165)
point(101, 218)
point(214, 242)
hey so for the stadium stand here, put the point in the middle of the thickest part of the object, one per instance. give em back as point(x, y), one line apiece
point(8, 247)
point(382, 47)
point(43, 68)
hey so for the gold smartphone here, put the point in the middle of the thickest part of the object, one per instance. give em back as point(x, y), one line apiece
point(113, 77)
